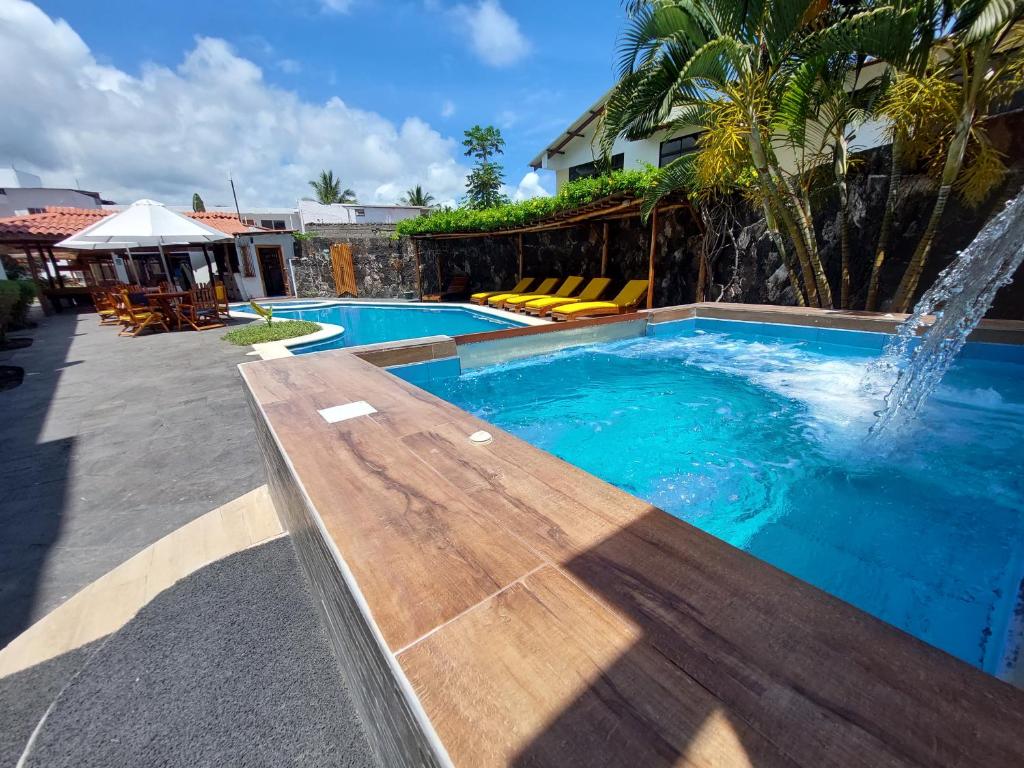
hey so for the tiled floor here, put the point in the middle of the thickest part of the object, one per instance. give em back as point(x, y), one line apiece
point(112, 600)
point(108, 445)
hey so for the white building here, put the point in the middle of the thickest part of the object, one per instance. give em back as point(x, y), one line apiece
point(312, 212)
point(573, 154)
point(22, 193)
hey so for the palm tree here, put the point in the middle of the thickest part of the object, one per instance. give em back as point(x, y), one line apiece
point(725, 66)
point(328, 190)
point(416, 196)
point(984, 59)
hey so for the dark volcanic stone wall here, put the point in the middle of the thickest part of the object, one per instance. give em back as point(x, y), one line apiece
point(748, 269)
point(385, 268)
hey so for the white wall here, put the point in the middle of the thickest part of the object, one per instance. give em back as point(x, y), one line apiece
point(312, 212)
point(15, 201)
point(252, 287)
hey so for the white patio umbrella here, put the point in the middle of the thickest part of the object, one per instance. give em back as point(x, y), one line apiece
point(143, 224)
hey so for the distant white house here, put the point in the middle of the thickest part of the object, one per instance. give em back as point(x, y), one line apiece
point(22, 193)
point(312, 212)
point(573, 153)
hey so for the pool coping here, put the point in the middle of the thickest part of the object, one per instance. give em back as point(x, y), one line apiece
point(859, 691)
point(272, 350)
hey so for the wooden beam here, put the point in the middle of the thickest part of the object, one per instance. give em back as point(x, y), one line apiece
point(419, 277)
point(49, 277)
point(519, 252)
point(53, 263)
point(604, 248)
point(650, 264)
point(34, 274)
point(437, 265)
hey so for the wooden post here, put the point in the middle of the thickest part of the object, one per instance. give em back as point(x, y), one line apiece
point(650, 266)
point(519, 251)
point(209, 264)
point(34, 274)
point(604, 249)
point(419, 278)
point(53, 262)
point(49, 277)
point(437, 266)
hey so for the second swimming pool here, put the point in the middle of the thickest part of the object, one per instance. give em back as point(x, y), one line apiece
point(374, 323)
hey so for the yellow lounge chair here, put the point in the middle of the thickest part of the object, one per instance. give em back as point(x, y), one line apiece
point(521, 286)
point(513, 303)
point(544, 289)
point(591, 292)
point(627, 300)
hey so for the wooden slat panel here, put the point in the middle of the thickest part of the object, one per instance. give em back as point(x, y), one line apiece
point(343, 269)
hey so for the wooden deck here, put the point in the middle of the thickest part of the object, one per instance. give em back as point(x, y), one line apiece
point(496, 606)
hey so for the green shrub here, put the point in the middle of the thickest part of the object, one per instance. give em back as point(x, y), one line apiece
point(26, 295)
point(259, 333)
point(10, 296)
point(574, 194)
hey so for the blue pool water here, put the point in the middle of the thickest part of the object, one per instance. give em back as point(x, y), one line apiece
point(373, 323)
point(760, 442)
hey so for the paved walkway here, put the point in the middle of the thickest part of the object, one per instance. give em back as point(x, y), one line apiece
point(109, 445)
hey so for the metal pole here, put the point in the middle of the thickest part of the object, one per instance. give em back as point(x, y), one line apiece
point(650, 266)
point(519, 251)
point(134, 272)
point(604, 249)
point(419, 278)
point(167, 271)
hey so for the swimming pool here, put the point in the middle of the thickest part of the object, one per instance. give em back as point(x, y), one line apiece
point(373, 323)
point(759, 440)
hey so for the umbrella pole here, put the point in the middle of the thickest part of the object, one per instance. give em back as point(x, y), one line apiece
point(134, 269)
point(167, 271)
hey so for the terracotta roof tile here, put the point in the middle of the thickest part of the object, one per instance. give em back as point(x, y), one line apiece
point(59, 223)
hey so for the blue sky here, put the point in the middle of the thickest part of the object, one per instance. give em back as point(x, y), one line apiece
point(400, 72)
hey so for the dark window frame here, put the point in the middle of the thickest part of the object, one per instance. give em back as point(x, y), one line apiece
point(676, 147)
point(593, 168)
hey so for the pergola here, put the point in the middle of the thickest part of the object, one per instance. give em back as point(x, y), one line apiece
point(607, 209)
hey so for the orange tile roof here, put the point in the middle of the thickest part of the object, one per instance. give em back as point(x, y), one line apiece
point(57, 223)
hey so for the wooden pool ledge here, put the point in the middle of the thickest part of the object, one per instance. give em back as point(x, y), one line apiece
point(492, 605)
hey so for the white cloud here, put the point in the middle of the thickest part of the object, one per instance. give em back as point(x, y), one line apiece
point(289, 66)
point(167, 133)
point(493, 34)
point(336, 6)
point(530, 187)
point(448, 108)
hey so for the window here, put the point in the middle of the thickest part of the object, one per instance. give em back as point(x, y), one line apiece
point(675, 148)
point(592, 169)
point(272, 223)
point(360, 211)
point(36, 210)
point(250, 222)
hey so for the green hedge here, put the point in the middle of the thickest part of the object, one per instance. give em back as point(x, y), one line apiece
point(15, 298)
point(574, 194)
point(260, 332)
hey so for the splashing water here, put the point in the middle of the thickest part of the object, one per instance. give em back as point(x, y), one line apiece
point(958, 300)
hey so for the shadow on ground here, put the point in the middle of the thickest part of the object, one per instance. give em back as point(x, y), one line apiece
point(231, 666)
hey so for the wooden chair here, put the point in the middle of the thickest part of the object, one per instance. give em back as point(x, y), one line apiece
point(137, 317)
point(457, 289)
point(106, 308)
point(200, 309)
point(220, 292)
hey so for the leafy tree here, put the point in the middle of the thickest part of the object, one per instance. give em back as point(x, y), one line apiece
point(416, 196)
point(483, 185)
point(328, 190)
point(481, 143)
point(197, 203)
point(728, 67)
point(983, 60)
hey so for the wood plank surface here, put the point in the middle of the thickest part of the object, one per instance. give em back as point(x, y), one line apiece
point(545, 617)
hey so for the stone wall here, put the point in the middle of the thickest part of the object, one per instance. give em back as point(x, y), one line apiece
point(384, 266)
point(745, 265)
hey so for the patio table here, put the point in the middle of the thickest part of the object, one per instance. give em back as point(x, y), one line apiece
point(167, 302)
